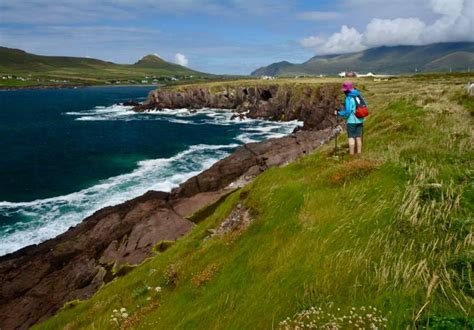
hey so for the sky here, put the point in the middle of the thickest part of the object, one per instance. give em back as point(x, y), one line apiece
point(228, 36)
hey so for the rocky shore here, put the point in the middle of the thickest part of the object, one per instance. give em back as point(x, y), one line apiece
point(38, 280)
point(311, 104)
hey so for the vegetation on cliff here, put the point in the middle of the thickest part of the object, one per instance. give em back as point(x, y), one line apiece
point(313, 104)
point(390, 231)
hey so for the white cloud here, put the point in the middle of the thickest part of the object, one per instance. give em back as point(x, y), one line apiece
point(348, 39)
point(181, 59)
point(392, 32)
point(454, 22)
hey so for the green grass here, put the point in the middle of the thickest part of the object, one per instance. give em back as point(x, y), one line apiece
point(391, 229)
point(87, 71)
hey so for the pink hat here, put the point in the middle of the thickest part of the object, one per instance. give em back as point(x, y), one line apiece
point(347, 86)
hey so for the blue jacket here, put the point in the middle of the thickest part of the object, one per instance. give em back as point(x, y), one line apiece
point(349, 109)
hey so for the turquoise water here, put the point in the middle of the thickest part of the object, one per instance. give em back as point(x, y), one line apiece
point(66, 153)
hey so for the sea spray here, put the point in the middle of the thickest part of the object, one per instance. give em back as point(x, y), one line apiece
point(39, 220)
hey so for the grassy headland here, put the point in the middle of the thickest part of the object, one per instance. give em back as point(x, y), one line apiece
point(386, 234)
point(22, 69)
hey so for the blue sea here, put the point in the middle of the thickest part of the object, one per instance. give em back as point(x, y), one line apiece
point(66, 153)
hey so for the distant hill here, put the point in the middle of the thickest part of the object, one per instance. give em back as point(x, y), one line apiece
point(19, 61)
point(455, 56)
point(150, 61)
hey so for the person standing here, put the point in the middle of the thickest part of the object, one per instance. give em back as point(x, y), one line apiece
point(355, 125)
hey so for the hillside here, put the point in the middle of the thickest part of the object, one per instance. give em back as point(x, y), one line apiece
point(37, 69)
point(153, 61)
point(385, 238)
point(441, 57)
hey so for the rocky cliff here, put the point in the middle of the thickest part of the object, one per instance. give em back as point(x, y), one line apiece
point(311, 104)
point(37, 280)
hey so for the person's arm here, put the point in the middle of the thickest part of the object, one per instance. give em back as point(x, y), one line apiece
point(349, 106)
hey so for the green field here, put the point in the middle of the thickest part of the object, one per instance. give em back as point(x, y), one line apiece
point(27, 69)
point(387, 236)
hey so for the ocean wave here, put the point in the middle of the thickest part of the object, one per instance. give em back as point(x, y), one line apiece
point(39, 220)
point(204, 116)
point(47, 218)
point(264, 129)
point(125, 113)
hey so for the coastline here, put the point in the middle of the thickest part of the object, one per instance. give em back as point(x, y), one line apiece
point(109, 243)
point(75, 264)
point(71, 86)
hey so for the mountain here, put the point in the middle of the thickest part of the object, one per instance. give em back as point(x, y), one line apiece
point(150, 61)
point(155, 62)
point(15, 61)
point(455, 56)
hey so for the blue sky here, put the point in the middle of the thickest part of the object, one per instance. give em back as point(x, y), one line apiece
point(232, 36)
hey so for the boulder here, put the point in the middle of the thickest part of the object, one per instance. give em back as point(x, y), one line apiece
point(131, 103)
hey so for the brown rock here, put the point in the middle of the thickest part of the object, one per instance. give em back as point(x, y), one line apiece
point(38, 280)
point(252, 159)
point(314, 105)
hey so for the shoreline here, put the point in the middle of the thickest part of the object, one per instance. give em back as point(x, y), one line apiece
point(40, 279)
point(72, 86)
point(114, 239)
point(89, 199)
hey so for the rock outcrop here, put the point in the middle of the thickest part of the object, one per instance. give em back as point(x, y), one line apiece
point(38, 280)
point(252, 159)
point(313, 105)
point(131, 103)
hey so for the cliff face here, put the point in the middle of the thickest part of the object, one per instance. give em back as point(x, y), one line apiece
point(313, 105)
point(37, 280)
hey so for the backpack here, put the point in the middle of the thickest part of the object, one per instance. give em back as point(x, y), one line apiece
point(362, 109)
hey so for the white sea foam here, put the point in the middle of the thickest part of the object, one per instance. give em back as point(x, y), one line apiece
point(47, 218)
point(265, 130)
point(113, 112)
point(202, 116)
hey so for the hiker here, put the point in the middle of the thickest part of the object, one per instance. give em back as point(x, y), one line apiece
point(355, 125)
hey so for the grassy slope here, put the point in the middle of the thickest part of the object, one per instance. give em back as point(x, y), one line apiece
point(83, 70)
point(392, 229)
point(441, 57)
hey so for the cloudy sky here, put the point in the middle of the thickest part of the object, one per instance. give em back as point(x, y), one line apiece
point(227, 36)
